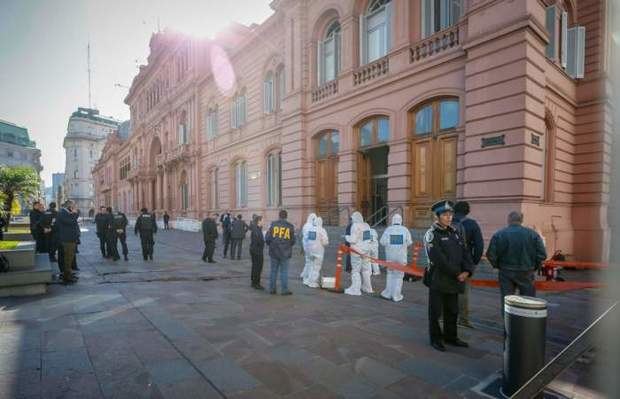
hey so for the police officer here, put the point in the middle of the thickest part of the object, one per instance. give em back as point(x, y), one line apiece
point(281, 239)
point(47, 222)
point(145, 224)
point(449, 266)
point(119, 230)
point(517, 252)
point(35, 226)
point(226, 221)
point(209, 235)
point(110, 235)
point(100, 223)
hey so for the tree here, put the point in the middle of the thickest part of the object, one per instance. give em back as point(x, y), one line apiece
point(15, 182)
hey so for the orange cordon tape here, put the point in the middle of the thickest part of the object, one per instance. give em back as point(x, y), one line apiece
point(576, 265)
point(414, 270)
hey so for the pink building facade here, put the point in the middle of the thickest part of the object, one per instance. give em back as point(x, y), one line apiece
point(380, 106)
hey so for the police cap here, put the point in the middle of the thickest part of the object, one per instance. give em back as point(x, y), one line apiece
point(442, 206)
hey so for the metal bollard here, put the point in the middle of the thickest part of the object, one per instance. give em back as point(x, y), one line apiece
point(525, 324)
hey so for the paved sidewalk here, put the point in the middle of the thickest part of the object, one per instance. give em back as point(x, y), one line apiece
point(180, 328)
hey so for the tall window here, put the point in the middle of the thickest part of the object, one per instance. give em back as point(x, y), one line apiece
point(238, 111)
point(328, 59)
point(75, 174)
point(436, 116)
point(213, 189)
point(566, 45)
point(328, 145)
point(375, 31)
point(281, 87)
point(374, 131)
point(183, 130)
point(268, 93)
point(211, 122)
point(241, 184)
point(438, 15)
point(184, 191)
point(274, 179)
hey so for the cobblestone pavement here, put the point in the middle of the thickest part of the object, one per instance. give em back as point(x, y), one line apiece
point(180, 328)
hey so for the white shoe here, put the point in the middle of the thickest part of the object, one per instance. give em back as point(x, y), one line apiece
point(398, 299)
point(376, 274)
point(368, 292)
point(349, 291)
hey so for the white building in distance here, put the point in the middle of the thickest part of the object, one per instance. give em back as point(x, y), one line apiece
point(86, 134)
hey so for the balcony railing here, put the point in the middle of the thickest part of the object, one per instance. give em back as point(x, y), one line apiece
point(371, 71)
point(325, 90)
point(435, 44)
point(178, 153)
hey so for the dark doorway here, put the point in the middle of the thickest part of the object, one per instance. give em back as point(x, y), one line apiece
point(373, 184)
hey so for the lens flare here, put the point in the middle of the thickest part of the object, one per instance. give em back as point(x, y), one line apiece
point(223, 72)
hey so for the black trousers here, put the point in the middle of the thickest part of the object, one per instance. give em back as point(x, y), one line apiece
point(51, 245)
point(447, 304)
point(39, 238)
point(102, 244)
point(511, 280)
point(122, 237)
point(209, 249)
point(146, 239)
point(166, 227)
point(257, 266)
point(110, 243)
point(226, 238)
point(235, 245)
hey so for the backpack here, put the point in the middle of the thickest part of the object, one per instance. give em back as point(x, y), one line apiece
point(4, 264)
point(146, 222)
point(460, 229)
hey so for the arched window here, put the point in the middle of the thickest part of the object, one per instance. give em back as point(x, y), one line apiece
point(238, 110)
point(274, 179)
point(374, 131)
point(280, 87)
point(211, 122)
point(268, 93)
point(566, 44)
point(183, 130)
point(328, 144)
point(241, 184)
point(213, 189)
point(438, 115)
point(375, 31)
point(328, 57)
point(184, 191)
point(438, 15)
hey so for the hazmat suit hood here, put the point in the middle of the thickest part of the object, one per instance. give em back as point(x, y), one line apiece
point(357, 217)
point(311, 219)
point(397, 219)
point(319, 222)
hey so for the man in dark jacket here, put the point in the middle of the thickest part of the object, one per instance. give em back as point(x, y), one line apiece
point(35, 227)
point(166, 221)
point(257, 245)
point(47, 222)
point(68, 237)
point(226, 222)
point(119, 232)
point(281, 239)
point(237, 235)
point(517, 252)
point(449, 266)
point(472, 236)
point(209, 235)
point(146, 226)
point(101, 222)
point(110, 235)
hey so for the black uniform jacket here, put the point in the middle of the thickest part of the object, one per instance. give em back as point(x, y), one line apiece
point(209, 230)
point(448, 258)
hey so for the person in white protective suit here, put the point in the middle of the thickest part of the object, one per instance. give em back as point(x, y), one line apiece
point(316, 249)
point(374, 252)
point(360, 239)
point(309, 226)
point(396, 239)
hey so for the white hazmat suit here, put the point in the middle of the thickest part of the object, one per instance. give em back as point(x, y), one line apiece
point(396, 239)
point(359, 238)
point(305, 233)
point(316, 250)
point(374, 252)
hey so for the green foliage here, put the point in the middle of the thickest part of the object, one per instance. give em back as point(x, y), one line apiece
point(17, 181)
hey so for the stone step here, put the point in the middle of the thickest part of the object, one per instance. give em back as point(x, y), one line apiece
point(27, 282)
point(22, 257)
point(8, 236)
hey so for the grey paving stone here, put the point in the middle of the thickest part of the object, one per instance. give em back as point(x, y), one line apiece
point(377, 373)
point(62, 339)
point(137, 384)
point(463, 383)
point(24, 384)
point(171, 371)
point(432, 372)
point(227, 376)
point(281, 379)
point(68, 362)
point(190, 388)
point(28, 360)
point(78, 386)
point(356, 388)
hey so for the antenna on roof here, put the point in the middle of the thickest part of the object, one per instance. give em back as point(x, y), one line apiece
point(89, 84)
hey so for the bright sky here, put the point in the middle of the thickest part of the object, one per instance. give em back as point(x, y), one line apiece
point(43, 73)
